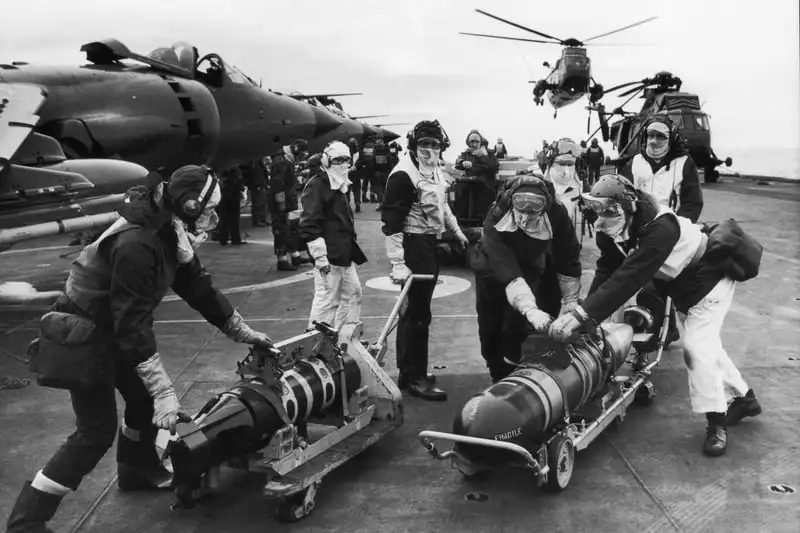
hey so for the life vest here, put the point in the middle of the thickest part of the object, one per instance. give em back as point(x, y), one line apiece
point(664, 185)
point(427, 212)
point(690, 246)
point(89, 282)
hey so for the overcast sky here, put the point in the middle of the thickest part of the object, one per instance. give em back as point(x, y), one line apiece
point(409, 61)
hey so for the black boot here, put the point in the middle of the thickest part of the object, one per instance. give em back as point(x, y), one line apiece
point(302, 259)
point(403, 380)
point(138, 465)
point(32, 511)
point(424, 388)
point(716, 435)
point(742, 408)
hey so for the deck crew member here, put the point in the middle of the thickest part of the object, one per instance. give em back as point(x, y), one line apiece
point(524, 222)
point(480, 166)
point(659, 245)
point(282, 200)
point(563, 175)
point(666, 171)
point(117, 283)
point(328, 229)
point(414, 216)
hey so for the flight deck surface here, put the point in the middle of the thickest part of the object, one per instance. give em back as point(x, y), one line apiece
point(649, 475)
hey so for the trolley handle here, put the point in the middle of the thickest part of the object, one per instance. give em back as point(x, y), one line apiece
point(395, 310)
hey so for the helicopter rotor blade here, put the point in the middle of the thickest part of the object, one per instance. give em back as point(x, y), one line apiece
point(619, 29)
point(622, 86)
point(508, 38)
point(521, 27)
point(631, 91)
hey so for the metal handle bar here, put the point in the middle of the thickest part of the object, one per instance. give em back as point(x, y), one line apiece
point(396, 309)
point(426, 438)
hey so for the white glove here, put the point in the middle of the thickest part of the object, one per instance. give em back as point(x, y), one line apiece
point(461, 239)
point(400, 273)
point(566, 328)
point(570, 292)
point(166, 407)
point(466, 164)
point(322, 264)
point(238, 331)
point(319, 251)
point(538, 319)
point(521, 298)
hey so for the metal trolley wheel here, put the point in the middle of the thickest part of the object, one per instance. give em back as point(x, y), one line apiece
point(293, 508)
point(561, 463)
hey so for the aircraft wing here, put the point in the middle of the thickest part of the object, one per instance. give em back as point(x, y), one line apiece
point(19, 105)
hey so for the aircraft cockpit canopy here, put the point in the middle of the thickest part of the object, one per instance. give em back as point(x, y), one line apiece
point(181, 55)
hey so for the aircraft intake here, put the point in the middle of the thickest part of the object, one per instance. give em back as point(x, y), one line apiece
point(527, 405)
point(245, 418)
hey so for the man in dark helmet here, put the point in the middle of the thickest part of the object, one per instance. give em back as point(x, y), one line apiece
point(282, 200)
point(664, 169)
point(524, 223)
point(117, 283)
point(657, 244)
point(414, 215)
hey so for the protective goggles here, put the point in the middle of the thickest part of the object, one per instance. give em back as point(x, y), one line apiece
point(604, 207)
point(431, 144)
point(657, 135)
point(341, 160)
point(529, 202)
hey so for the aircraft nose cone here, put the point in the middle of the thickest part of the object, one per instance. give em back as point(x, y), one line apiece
point(389, 135)
point(369, 131)
point(324, 121)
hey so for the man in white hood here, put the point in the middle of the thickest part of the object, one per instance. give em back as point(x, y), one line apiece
point(328, 229)
point(564, 177)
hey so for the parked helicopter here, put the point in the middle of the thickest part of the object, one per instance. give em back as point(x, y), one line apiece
point(571, 78)
point(661, 95)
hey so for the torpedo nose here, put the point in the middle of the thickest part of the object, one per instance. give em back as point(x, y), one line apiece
point(324, 121)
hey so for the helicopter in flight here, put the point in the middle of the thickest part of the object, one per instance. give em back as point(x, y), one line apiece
point(571, 77)
point(662, 95)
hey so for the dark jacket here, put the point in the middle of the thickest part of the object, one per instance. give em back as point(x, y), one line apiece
point(513, 255)
point(594, 156)
point(484, 167)
point(326, 213)
point(691, 195)
point(383, 160)
point(254, 175)
point(231, 183)
point(120, 282)
point(283, 180)
point(619, 276)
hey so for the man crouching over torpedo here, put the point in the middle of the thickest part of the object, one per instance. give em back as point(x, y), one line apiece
point(524, 223)
point(698, 268)
point(99, 336)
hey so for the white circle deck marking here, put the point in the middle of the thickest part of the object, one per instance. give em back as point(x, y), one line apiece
point(446, 285)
